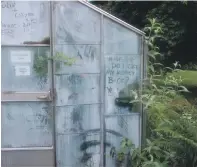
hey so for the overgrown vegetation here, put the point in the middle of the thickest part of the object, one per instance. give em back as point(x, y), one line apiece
point(178, 19)
point(171, 119)
point(41, 62)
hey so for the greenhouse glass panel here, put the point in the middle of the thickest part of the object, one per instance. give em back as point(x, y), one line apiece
point(68, 73)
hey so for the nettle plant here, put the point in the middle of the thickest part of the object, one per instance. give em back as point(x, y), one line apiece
point(171, 120)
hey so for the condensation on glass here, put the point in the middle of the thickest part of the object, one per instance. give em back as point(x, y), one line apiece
point(108, 64)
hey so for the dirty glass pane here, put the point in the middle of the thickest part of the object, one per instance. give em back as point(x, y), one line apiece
point(76, 23)
point(118, 128)
point(77, 119)
point(25, 69)
point(79, 150)
point(122, 77)
point(26, 124)
point(84, 58)
point(24, 22)
point(77, 89)
point(77, 35)
point(119, 40)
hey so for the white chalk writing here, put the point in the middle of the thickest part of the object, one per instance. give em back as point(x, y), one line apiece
point(120, 69)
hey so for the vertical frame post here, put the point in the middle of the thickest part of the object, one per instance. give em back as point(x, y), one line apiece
point(140, 93)
point(52, 81)
point(145, 64)
point(102, 95)
point(143, 117)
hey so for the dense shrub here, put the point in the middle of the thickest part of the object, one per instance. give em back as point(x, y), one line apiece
point(171, 128)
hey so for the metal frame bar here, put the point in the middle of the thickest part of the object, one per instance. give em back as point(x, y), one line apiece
point(102, 94)
point(115, 115)
point(22, 45)
point(52, 80)
point(27, 149)
point(88, 132)
point(93, 73)
point(146, 59)
point(140, 90)
point(79, 43)
point(142, 126)
point(144, 114)
point(25, 96)
point(84, 104)
point(107, 54)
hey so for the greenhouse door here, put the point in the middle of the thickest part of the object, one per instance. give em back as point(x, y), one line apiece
point(27, 124)
point(26, 95)
point(26, 108)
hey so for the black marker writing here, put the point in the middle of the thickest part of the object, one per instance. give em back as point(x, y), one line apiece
point(8, 4)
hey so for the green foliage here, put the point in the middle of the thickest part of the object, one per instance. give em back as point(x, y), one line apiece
point(171, 118)
point(171, 114)
point(151, 156)
point(190, 66)
point(63, 58)
point(41, 65)
point(189, 77)
point(41, 62)
point(178, 24)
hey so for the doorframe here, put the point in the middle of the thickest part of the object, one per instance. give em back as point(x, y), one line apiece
point(52, 82)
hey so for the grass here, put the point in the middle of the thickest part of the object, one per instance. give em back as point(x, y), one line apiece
point(189, 77)
point(189, 81)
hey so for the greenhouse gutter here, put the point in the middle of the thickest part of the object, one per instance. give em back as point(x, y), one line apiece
point(113, 17)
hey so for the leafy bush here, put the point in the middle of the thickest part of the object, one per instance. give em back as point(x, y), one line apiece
point(171, 119)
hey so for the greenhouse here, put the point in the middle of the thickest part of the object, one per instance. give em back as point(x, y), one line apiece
point(67, 69)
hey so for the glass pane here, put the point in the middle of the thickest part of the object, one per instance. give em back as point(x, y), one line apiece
point(24, 22)
point(76, 23)
point(84, 58)
point(119, 127)
point(26, 124)
point(77, 89)
point(77, 119)
point(122, 67)
point(122, 77)
point(119, 39)
point(25, 69)
point(80, 150)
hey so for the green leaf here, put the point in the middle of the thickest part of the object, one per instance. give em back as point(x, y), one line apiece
point(184, 89)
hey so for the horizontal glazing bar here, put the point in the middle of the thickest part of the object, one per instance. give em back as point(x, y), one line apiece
point(91, 131)
point(75, 73)
point(79, 43)
point(25, 96)
point(79, 104)
point(27, 148)
point(119, 54)
point(24, 45)
point(80, 133)
point(114, 115)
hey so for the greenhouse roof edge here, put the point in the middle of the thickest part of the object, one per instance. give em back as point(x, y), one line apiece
point(112, 17)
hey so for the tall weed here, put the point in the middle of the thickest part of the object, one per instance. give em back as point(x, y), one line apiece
point(171, 128)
